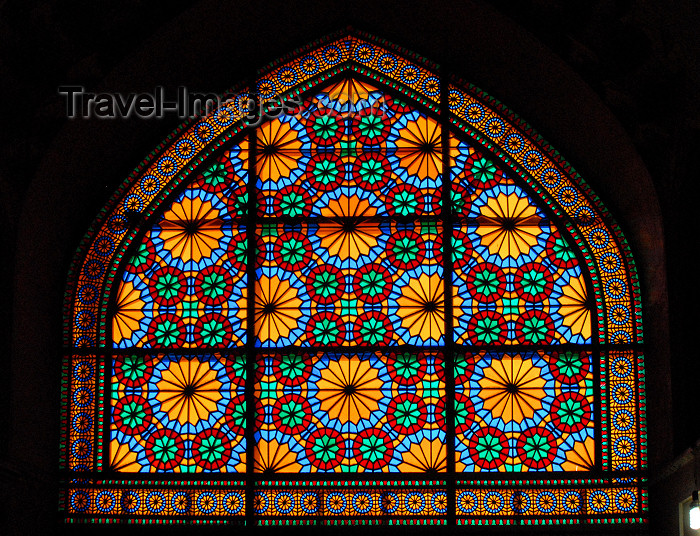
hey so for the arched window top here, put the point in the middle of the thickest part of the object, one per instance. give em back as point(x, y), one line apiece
point(388, 272)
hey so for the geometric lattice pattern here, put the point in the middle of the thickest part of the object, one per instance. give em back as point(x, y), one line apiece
point(560, 501)
point(524, 412)
point(147, 500)
point(178, 414)
point(358, 160)
point(627, 408)
point(350, 413)
point(186, 282)
point(516, 279)
point(339, 502)
point(389, 276)
point(376, 285)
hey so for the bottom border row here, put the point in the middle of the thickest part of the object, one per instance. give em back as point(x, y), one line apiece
point(422, 505)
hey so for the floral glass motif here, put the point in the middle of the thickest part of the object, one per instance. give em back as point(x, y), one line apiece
point(524, 412)
point(185, 285)
point(350, 283)
point(388, 303)
point(350, 413)
point(178, 414)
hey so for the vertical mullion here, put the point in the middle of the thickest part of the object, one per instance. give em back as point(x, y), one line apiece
point(600, 398)
point(448, 266)
point(251, 233)
point(107, 360)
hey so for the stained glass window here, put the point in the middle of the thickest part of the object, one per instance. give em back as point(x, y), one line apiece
point(390, 303)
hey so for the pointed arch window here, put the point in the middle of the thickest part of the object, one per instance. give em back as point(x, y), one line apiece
point(391, 302)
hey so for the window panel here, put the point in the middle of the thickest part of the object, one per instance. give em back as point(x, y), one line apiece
point(350, 413)
point(372, 347)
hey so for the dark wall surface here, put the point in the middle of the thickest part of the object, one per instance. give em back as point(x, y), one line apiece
point(614, 86)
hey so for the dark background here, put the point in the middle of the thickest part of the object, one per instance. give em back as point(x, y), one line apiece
point(613, 85)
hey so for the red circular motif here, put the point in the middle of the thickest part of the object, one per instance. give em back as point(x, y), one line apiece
point(237, 200)
point(377, 164)
point(203, 330)
point(537, 447)
point(176, 282)
point(323, 276)
point(332, 440)
point(372, 449)
point(331, 121)
point(405, 249)
point(397, 409)
point(202, 183)
point(461, 197)
point(153, 333)
point(373, 329)
point(119, 419)
point(233, 408)
point(259, 413)
point(378, 121)
point(223, 281)
point(404, 200)
point(381, 279)
point(486, 282)
point(462, 249)
point(281, 416)
point(440, 413)
point(279, 206)
point(407, 369)
point(476, 182)
point(145, 369)
point(524, 323)
point(238, 251)
point(397, 105)
point(522, 282)
point(464, 422)
point(154, 445)
point(212, 438)
point(302, 253)
point(561, 402)
point(498, 328)
point(320, 166)
point(148, 260)
point(488, 447)
point(320, 321)
point(300, 363)
point(582, 365)
point(555, 250)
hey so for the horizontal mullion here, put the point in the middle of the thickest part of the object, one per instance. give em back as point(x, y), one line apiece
point(346, 147)
point(319, 219)
point(109, 351)
point(496, 479)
